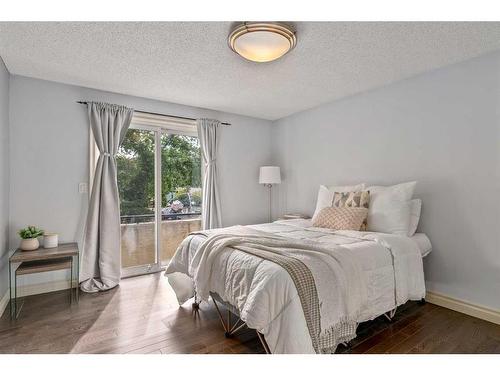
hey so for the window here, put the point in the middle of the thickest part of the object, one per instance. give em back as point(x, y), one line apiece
point(159, 182)
point(181, 190)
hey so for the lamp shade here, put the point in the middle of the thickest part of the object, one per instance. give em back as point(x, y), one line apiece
point(269, 175)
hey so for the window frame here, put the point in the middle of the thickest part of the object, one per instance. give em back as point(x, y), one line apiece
point(160, 125)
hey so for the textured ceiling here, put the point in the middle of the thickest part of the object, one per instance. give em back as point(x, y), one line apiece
point(190, 62)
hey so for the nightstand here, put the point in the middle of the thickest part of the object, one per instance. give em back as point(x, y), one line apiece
point(65, 256)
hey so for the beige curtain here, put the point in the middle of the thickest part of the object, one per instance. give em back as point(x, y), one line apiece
point(101, 257)
point(208, 133)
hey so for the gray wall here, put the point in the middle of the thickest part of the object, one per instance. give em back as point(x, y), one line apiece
point(49, 157)
point(4, 177)
point(440, 128)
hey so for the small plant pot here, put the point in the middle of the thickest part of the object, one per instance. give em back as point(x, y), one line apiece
point(50, 240)
point(29, 244)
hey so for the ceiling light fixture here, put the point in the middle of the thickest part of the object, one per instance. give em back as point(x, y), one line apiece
point(262, 41)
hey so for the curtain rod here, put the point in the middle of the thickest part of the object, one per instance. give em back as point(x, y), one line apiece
point(162, 114)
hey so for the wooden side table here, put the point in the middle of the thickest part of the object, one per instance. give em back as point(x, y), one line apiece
point(65, 256)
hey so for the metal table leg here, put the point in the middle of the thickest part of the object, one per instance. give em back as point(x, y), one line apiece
point(15, 294)
point(10, 291)
point(16, 310)
point(77, 277)
point(71, 282)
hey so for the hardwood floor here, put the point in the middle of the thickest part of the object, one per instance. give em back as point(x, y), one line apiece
point(142, 316)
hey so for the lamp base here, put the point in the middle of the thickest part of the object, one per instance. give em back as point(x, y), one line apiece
point(270, 186)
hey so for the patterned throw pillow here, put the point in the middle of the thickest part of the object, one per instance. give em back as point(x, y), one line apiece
point(341, 218)
point(353, 199)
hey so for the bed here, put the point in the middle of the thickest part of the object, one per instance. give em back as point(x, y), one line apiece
point(373, 273)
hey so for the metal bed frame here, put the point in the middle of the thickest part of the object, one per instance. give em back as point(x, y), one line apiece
point(230, 329)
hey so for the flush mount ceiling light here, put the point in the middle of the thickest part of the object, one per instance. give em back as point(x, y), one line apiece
point(262, 41)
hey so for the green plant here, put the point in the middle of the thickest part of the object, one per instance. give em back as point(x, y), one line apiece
point(180, 165)
point(30, 232)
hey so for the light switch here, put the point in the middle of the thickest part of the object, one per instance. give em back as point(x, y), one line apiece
point(83, 188)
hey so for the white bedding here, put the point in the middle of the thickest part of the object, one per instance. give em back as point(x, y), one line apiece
point(266, 297)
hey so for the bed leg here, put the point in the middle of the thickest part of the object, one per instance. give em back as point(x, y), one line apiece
point(346, 345)
point(235, 328)
point(263, 342)
point(226, 329)
point(196, 304)
point(422, 301)
point(229, 328)
point(390, 315)
point(228, 325)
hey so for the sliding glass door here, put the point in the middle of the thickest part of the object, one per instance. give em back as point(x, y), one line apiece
point(181, 191)
point(159, 181)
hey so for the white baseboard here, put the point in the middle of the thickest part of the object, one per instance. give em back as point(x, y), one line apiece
point(464, 307)
point(29, 290)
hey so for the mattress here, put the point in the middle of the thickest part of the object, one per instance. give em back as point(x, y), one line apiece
point(267, 301)
point(420, 239)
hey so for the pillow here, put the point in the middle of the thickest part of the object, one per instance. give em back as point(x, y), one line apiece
point(340, 218)
point(353, 199)
point(415, 209)
point(325, 195)
point(389, 210)
point(402, 192)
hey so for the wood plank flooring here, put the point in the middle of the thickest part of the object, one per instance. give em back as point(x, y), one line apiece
point(142, 316)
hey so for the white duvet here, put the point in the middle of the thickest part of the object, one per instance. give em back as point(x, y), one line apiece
point(266, 296)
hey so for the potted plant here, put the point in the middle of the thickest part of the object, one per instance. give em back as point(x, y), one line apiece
point(29, 238)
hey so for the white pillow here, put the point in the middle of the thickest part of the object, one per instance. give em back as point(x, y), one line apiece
point(389, 210)
point(325, 195)
point(415, 209)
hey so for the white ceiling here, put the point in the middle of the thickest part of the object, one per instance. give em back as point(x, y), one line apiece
point(190, 62)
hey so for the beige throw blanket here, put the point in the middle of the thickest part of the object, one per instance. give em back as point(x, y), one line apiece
point(329, 281)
